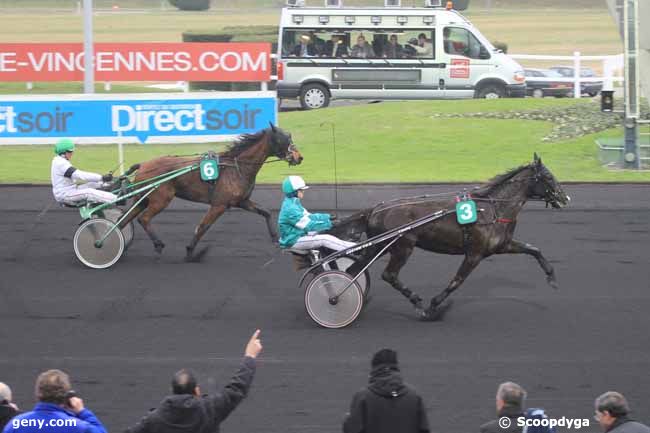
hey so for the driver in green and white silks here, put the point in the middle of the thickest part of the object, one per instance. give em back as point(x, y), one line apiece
point(299, 228)
point(66, 179)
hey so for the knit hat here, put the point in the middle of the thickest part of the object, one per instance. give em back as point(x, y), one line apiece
point(384, 357)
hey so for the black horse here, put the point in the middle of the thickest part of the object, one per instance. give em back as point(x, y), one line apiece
point(499, 202)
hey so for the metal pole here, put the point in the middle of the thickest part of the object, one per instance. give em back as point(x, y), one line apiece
point(631, 39)
point(89, 70)
point(120, 151)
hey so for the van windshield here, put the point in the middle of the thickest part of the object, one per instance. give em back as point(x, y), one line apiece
point(359, 43)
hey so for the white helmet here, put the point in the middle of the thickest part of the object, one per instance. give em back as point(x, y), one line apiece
point(292, 184)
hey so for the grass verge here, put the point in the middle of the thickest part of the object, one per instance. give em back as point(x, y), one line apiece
point(387, 142)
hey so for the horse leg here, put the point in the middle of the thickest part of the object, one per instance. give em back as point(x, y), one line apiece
point(156, 202)
point(518, 247)
point(251, 206)
point(209, 218)
point(469, 264)
point(399, 255)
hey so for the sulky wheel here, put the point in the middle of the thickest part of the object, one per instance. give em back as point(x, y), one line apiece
point(344, 264)
point(89, 248)
point(329, 303)
point(114, 214)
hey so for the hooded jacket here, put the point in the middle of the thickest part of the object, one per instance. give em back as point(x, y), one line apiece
point(190, 414)
point(6, 413)
point(294, 222)
point(387, 405)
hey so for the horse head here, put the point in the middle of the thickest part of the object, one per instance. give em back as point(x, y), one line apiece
point(544, 185)
point(282, 146)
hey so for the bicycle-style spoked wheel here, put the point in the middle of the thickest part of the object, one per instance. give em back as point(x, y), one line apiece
point(89, 247)
point(344, 264)
point(114, 214)
point(329, 303)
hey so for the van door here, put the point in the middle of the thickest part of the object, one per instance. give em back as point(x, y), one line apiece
point(467, 61)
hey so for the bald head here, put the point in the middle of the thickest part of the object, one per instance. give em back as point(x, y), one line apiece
point(5, 393)
point(184, 382)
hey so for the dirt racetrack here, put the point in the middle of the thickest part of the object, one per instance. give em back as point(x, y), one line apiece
point(122, 332)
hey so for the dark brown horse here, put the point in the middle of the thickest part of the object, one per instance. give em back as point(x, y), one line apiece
point(501, 200)
point(233, 188)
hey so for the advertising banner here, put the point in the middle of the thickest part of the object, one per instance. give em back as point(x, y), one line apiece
point(181, 61)
point(129, 118)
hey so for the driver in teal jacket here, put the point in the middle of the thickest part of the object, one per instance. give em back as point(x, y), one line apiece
point(298, 228)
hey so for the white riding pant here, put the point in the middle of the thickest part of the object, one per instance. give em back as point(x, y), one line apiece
point(87, 192)
point(313, 242)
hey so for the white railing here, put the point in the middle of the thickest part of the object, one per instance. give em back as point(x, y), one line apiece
point(610, 65)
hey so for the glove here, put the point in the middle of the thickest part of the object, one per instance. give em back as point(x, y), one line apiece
point(107, 177)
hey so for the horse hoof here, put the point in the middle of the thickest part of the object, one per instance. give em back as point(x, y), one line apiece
point(552, 282)
point(196, 258)
point(435, 313)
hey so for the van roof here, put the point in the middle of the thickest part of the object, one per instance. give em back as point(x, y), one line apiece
point(311, 17)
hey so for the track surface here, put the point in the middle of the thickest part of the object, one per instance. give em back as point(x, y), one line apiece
point(122, 332)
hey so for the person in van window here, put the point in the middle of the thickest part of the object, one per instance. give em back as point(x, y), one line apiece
point(423, 47)
point(452, 46)
point(335, 47)
point(392, 49)
point(319, 43)
point(305, 47)
point(362, 49)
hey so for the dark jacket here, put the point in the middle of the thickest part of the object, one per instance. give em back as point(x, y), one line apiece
point(341, 49)
point(6, 413)
point(49, 414)
point(387, 405)
point(393, 51)
point(311, 50)
point(508, 411)
point(626, 425)
point(191, 414)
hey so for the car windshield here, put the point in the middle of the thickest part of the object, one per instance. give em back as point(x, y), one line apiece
point(587, 73)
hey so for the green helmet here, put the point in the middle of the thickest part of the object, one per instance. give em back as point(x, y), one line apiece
point(292, 184)
point(63, 145)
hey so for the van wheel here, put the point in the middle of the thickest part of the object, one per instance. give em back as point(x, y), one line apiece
point(491, 91)
point(314, 96)
point(538, 93)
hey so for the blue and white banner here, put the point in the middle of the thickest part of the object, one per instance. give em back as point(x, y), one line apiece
point(135, 118)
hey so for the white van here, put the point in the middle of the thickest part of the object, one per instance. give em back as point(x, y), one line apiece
point(389, 53)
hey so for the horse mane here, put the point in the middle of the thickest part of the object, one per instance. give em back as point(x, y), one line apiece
point(243, 142)
point(498, 180)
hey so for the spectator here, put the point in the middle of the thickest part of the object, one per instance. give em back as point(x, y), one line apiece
point(612, 413)
point(392, 49)
point(387, 405)
point(8, 410)
point(362, 49)
point(335, 47)
point(57, 406)
point(510, 402)
point(423, 47)
point(305, 48)
point(186, 410)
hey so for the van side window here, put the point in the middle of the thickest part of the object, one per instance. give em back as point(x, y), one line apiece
point(461, 42)
point(359, 43)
